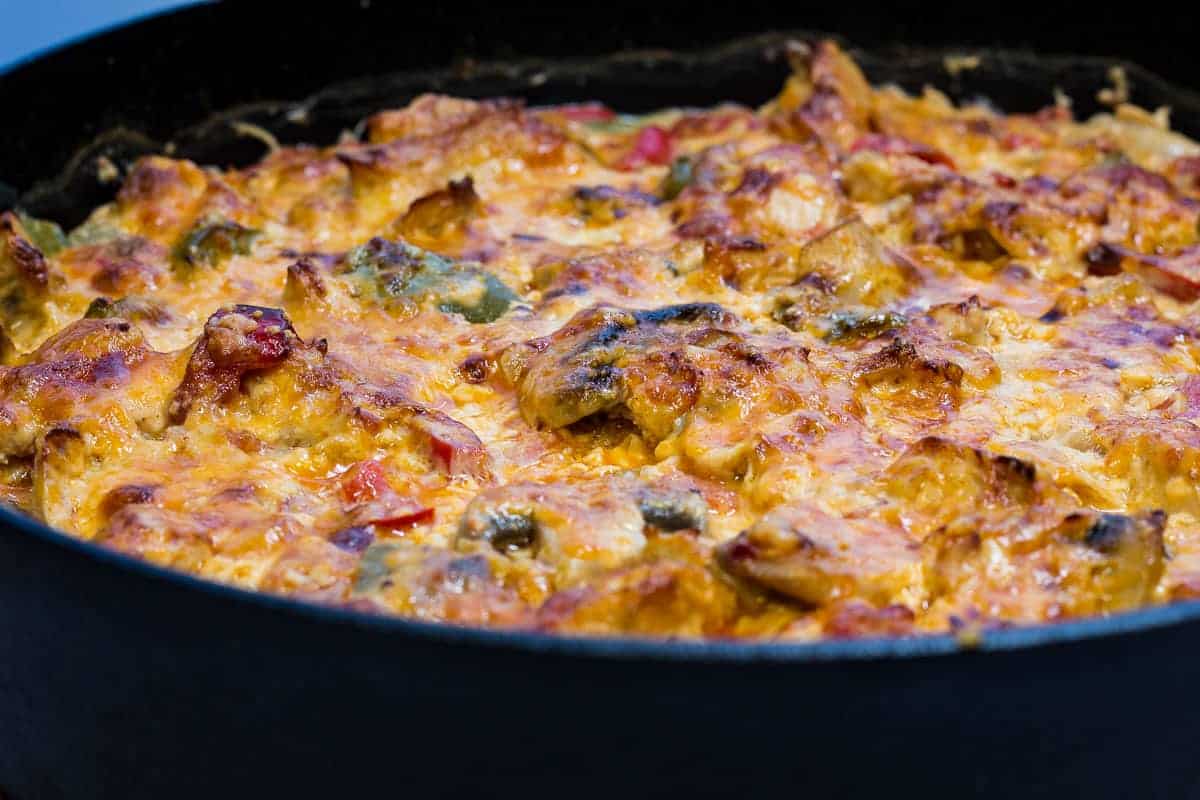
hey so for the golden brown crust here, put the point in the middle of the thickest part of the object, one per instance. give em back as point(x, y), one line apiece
point(856, 363)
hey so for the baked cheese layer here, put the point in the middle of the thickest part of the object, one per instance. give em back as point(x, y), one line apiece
point(855, 363)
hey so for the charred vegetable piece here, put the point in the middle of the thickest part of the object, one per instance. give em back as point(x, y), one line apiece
point(803, 304)
point(1132, 559)
point(555, 523)
point(845, 326)
point(670, 510)
point(509, 531)
point(132, 308)
point(399, 270)
point(605, 204)
point(374, 569)
point(1108, 532)
point(354, 539)
point(678, 177)
point(45, 235)
point(100, 308)
point(474, 294)
point(210, 243)
point(508, 523)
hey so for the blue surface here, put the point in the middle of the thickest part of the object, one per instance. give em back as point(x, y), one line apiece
point(31, 26)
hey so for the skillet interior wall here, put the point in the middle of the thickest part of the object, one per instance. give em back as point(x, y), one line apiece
point(178, 69)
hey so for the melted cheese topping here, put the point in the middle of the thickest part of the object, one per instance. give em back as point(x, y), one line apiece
point(854, 363)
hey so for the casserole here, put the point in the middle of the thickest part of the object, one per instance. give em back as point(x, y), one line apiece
point(149, 644)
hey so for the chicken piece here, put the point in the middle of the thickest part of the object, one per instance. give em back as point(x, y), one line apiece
point(936, 481)
point(1045, 565)
point(805, 554)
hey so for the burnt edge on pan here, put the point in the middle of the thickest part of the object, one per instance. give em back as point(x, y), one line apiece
point(747, 70)
point(1012, 80)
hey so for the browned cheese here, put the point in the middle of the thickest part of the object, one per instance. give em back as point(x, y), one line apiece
point(855, 363)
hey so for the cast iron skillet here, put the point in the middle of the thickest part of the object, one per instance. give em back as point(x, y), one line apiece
point(119, 679)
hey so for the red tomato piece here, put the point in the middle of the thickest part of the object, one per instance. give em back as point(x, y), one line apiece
point(405, 519)
point(652, 145)
point(1004, 181)
point(366, 481)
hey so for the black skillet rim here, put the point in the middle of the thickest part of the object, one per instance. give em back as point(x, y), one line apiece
point(613, 647)
point(629, 648)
